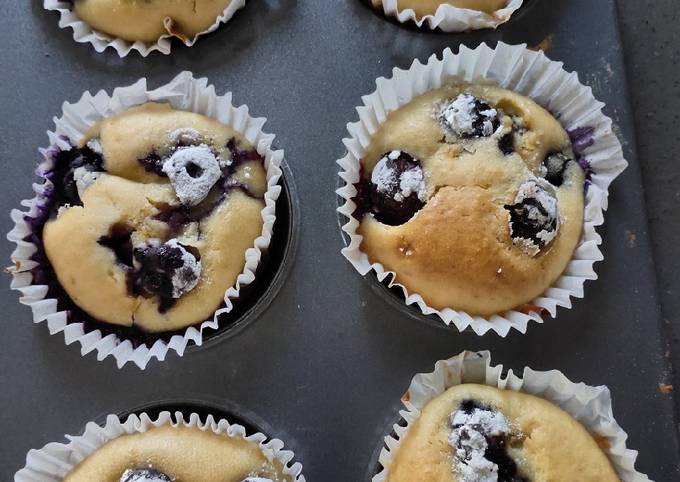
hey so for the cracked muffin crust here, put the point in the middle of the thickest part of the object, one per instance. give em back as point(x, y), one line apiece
point(168, 453)
point(151, 216)
point(148, 20)
point(474, 433)
point(477, 203)
point(429, 7)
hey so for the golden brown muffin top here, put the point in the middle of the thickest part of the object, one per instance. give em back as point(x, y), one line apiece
point(162, 228)
point(148, 20)
point(473, 197)
point(526, 437)
point(181, 454)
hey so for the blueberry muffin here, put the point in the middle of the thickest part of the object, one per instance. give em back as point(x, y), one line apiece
point(177, 454)
point(149, 219)
point(429, 7)
point(148, 20)
point(473, 433)
point(471, 194)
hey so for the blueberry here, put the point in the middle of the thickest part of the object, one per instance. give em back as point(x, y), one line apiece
point(176, 217)
point(555, 166)
point(65, 164)
point(239, 156)
point(153, 163)
point(496, 452)
point(466, 117)
point(397, 188)
point(507, 144)
point(167, 271)
point(534, 217)
point(118, 240)
point(469, 406)
point(144, 475)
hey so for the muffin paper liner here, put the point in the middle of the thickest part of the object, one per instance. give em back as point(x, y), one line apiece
point(516, 68)
point(55, 460)
point(591, 406)
point(184, 92)
point(448, 18)
point(83, 33)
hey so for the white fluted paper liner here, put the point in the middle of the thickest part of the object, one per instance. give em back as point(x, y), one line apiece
point(532, 74)
point(591, 406)
point(448, 18)
point(83, 33)
point(184, 92)
point(55, 460)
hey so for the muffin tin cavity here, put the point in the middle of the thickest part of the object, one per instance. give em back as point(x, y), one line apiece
point(165, 268)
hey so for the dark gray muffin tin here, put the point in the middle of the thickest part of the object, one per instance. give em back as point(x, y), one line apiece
point(320, 357)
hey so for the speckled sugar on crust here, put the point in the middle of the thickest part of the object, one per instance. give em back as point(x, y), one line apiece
point(183, 454)
point(122, 145)
point(225, 226)
point(429, 7)
point(552, 444)
point(457, 252)
point(150, 19)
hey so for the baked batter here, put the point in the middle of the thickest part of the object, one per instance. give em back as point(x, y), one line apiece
point(471, 195)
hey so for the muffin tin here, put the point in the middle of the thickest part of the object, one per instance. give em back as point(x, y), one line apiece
point(321, 364)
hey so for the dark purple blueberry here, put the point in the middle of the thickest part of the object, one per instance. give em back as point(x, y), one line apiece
point(467, 117)
point(62, 175)
point(396, 188)
point(239, 156)
point(528, 218)
point(176, 217)
point(118, 241)
point(555, 167)
point(363, 197)
point(507, 144)
point(153, 163)
point(144, 475)
point(496, 452)
point(155, 269)
point(468, 406)
point(582, 138)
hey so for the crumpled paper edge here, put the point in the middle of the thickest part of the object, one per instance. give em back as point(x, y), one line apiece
point(448, 18)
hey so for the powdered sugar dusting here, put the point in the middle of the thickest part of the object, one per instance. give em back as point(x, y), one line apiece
point(386, 179)
point(543, 194)
point(459, 116)
point(84, 178)
point(143, 475)
point(469, 441)
point(192, 189)
point(184, 135)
